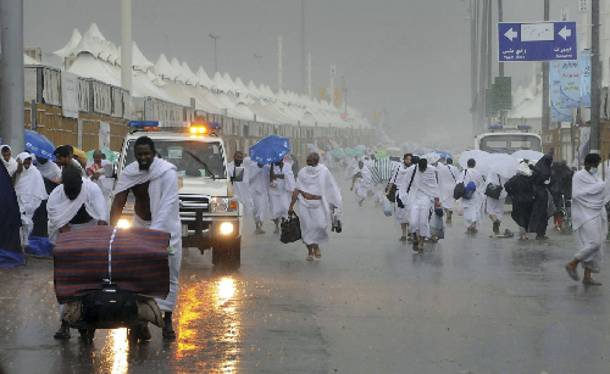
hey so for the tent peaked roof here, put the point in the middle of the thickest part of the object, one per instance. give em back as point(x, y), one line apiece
point(191, 78)
point(139, 61)
point(203, 78)
point(164, 68)
point(180, 74)
point(94, 32)
point(68, 49)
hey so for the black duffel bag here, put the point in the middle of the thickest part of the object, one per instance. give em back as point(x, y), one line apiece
point(494, 190)
point(291, 229)
point(460, 189)
point(109, 307)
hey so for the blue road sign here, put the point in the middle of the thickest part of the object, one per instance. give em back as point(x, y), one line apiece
point(539, 41)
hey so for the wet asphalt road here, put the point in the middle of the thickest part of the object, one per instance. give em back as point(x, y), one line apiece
point(467, 305)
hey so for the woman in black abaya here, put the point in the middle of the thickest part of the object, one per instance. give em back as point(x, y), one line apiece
point(11, 254)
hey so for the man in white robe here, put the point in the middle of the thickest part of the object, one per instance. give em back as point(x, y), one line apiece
point(589, 219)
point(317, 197)
point(362, 182)
point(495, 207)
point(241, 189)
point(154, 183)
point(447, 179)
point(425, 193)
point(97, 171)
point(259, 190)
point(75, 196)
point(473, 205)
point(281, 186)
point(31, 191)
point(49, 170)
point(75, 204)
point(7, 159)
point(402, 175)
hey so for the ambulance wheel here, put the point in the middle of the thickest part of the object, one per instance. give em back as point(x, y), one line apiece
point(227, 255)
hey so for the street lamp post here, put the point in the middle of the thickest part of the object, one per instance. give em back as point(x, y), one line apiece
point(215, 38)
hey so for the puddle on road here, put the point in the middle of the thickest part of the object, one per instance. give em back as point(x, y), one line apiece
point(208, 326)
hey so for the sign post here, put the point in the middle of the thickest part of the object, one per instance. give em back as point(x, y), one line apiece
point(539, 41)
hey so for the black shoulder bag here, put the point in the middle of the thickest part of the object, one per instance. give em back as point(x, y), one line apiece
point(494, 190)
point(460, 189)
point(391, 194)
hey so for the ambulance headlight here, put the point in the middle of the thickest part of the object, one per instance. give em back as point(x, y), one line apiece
point(123, 223)
point(223, 205)
point(226, 228)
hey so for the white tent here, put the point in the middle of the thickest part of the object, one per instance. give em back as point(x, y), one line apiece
point(203, 79)
point(164, 69)
point(68, 49)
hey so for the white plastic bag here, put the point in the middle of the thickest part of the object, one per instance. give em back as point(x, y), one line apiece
point(437, 227)
point(388, 207)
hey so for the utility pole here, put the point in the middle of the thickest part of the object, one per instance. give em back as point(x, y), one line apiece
point(309, 74)
point(333, 72)
point(596, 77)
point(545, 81)
point(303, 55)
point(474, 65)
point(344, 94)
point(500, 19)
point(11, 71)
point(215, 41)
point(126, 45)
point(280, 63)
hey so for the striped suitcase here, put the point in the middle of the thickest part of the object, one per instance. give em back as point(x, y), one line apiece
point(136, 261)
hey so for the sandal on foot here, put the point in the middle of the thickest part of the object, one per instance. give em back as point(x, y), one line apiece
point(572, 273)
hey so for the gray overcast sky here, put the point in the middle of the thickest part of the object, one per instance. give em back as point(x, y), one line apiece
point(410, 57)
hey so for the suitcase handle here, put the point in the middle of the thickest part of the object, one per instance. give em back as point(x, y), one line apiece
point(109, 280)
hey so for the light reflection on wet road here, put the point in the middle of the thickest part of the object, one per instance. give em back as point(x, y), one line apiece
point(467, 305)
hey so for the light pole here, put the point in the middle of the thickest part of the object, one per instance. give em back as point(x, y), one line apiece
point(596, 77)
point(215, 38)
point(11, 70)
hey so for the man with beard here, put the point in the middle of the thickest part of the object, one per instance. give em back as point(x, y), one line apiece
point(64, 156)
point(317, 196)
point(75, 204)
point(154, 183)
point(520, 188)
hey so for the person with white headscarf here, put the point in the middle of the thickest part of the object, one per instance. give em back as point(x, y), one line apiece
point(473, 204)
point(75, 204)
point(316, 197)
point(362, 182)
point(447, 179)
point(425, 193)
point(31, 191)
point(281, 186)
point(7, 159)
point(590, 194)
point(154, 183)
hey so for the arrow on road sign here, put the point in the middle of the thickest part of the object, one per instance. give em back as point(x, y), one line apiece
point(565, 33)
point(512, 34)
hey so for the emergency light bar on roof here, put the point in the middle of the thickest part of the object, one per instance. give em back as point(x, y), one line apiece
point(160, 124)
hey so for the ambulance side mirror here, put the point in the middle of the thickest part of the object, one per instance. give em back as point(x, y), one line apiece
point(239, 174)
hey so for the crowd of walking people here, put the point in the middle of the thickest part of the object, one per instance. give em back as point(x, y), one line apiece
point(420, 190)
point(42, 199)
